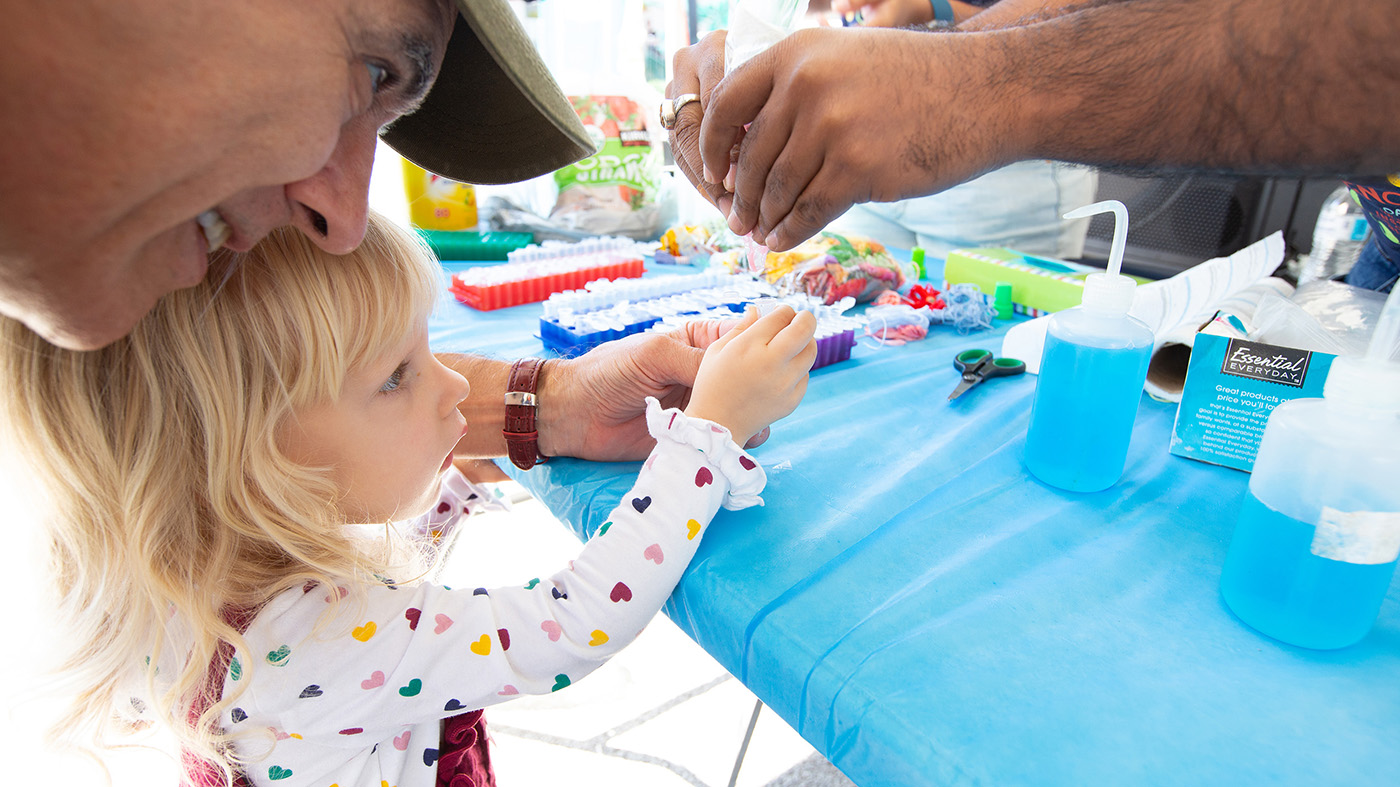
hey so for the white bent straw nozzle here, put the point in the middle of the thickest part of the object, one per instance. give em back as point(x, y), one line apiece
point(1109, 292)
point(1120, 228)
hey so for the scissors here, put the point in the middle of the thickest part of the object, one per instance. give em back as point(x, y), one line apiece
point(979, 365)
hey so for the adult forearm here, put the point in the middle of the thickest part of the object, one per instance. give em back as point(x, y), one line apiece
point(484, 407)
point(1277, 86)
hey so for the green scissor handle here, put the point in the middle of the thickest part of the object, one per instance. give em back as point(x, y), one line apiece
point(979, 365)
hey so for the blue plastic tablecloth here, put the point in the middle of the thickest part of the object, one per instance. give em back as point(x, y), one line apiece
point(923, 611)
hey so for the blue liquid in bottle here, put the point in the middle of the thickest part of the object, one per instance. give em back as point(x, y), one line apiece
point(1274, 582)
point(1086, 399)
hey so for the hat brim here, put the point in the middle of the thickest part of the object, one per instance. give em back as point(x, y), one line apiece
point(494, 115)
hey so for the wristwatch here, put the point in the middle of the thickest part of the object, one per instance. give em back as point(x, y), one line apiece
point(522, 437)
point(942, 13)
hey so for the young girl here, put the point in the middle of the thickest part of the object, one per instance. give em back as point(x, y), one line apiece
point(205, 475)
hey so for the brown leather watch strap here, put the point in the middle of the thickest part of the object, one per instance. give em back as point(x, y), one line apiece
point(522, 438)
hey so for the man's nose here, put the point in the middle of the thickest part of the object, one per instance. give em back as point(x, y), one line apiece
point(332, 206)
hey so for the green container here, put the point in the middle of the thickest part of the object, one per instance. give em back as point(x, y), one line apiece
point(451, 245)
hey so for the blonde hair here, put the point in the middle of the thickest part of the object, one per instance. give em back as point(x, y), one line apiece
point(170, 500)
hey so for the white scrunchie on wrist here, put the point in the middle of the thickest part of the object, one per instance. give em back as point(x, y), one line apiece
point(746, 478)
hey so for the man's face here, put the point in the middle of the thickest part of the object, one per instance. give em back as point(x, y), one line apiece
point(125, 126)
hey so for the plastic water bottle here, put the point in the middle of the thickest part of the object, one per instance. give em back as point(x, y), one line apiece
point(1337, 240)
point(1319, 531)
point(1091, 377)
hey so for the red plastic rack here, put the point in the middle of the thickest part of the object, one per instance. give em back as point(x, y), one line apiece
point(531, 289)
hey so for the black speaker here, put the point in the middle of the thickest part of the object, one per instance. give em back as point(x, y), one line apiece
point(1176, 220)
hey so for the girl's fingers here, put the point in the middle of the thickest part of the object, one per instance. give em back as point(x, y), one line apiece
point(737, 329)
point(795, 336)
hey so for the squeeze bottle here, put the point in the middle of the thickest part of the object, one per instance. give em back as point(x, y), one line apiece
point(1091, 377)
point(1319, 530)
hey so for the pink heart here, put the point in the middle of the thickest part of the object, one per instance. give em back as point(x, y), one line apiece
point(716, 429)
point(704, 476)
point(278, 734)
point(552, 629)
point(443, 623)
point(374, 681)
point(508, 690)
point(653, 553)
point(620, 592)
point(401, 742)
point(339, 593)
point(746, 463)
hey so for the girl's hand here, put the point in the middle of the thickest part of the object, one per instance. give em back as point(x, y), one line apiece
point(756, 373)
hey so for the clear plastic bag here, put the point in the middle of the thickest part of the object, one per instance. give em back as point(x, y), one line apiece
point(1324, 316)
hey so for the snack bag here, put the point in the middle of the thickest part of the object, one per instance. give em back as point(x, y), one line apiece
point(614, 191)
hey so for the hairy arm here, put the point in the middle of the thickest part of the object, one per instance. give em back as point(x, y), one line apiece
point(1276, 86)
point(1266, 86)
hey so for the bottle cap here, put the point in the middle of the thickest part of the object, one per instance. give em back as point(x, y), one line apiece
point(1109, 293)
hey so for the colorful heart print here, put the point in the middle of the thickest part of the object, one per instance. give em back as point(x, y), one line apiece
point(401, 741)
point(654, 554)
point(504, 637)
point(374, 681)
point(605, 527)
point(277, 772)
point(429, 757)
point(235, 669)
point(558, 594)
point(444, 507)
point(641, 503)
point(692, 529)
point(413, 614)
point(340, 592)
point(363, 633)
point(746, 462)
point(599, 638)
point(311, 692)
point(553, 629)
point(411, 690)
point(238, 714)
point(443, 623)
point(481, 592)
point(508, 691)
point(352, 731)
point(531, 584)
point(278, 658)
point(704, 476)
point(482, 647)
point(561, 681)
point(453, 705)
point(620, 592)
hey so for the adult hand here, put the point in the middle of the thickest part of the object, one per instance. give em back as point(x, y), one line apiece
point(697, 70)
point(594, 406)
point(916, 117)
point(886, 13)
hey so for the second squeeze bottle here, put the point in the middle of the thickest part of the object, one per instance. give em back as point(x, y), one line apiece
point(1091, 377)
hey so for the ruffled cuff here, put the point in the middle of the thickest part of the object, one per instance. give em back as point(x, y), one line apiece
point(746, 478)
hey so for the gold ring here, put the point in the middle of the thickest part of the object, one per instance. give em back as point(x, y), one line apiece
point(671, 106)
